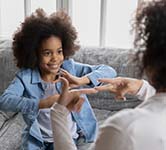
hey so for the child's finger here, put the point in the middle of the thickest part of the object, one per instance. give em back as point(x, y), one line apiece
point(65, 85)
point(62, 71)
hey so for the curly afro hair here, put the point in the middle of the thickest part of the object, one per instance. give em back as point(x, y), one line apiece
point(39, 27)
point(150, 41)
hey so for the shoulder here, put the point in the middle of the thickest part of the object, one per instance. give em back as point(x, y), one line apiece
point(27, 74)
point(123, 119)
point(71, 64)
point(24, 72)
point(70, 61)
point(115, 129)
point(128, 126)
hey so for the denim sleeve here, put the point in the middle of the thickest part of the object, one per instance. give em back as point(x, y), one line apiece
point(94, 72)
point(13, 100)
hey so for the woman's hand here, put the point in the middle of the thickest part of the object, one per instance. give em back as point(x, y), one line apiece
point(73, 80)
point(72, 98)
point(120, 86)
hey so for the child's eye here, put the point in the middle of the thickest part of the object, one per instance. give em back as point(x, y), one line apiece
point(47, 53)
point(60, 51)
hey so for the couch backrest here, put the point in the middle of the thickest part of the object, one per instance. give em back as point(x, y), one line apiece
point(7, 66)
point(11, 124)
point(120, 59)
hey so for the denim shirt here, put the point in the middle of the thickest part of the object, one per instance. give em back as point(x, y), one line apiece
point(26, 90)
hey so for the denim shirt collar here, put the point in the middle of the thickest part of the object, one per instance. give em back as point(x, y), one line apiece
point(36, 78)
point(68, 65)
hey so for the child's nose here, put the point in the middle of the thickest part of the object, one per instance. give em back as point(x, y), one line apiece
point(54, 57)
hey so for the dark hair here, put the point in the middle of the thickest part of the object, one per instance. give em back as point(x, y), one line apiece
point(150, 27)
point(39, 27)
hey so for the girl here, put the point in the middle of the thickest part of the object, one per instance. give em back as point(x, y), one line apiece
point(42, 47)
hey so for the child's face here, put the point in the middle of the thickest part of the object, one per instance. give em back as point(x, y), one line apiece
point(50, 56)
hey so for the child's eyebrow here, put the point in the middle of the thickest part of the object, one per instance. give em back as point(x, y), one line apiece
point(46, 49)
point(60, 47)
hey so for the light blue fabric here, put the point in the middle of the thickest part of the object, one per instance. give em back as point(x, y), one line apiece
point(26, 90)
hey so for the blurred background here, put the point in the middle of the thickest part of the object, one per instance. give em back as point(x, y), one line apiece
point(104, 23)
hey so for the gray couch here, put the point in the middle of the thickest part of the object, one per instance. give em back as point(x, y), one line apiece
point(103, 103)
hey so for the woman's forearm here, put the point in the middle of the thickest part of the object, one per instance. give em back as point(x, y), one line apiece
point(61, 133)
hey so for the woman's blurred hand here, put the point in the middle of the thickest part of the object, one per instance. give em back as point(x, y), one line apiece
point(120, 86)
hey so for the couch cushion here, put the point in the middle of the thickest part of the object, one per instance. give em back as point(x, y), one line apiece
point(108, 102)
point(10, 133)
point(102, 115)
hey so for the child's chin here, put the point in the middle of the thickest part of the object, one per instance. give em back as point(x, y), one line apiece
point(54, 71)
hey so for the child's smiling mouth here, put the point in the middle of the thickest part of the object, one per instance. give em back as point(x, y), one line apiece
point(53, 66)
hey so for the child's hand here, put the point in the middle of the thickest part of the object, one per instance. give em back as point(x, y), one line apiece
point(71, 98)
point(120, 86)
point(73, 80)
